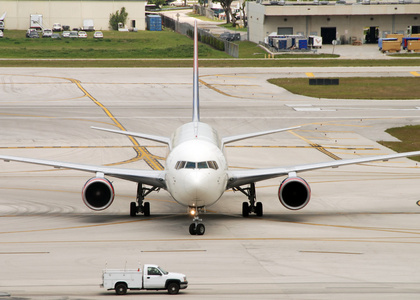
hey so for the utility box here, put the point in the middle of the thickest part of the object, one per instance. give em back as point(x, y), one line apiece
point(391, 46)
point(36, 21)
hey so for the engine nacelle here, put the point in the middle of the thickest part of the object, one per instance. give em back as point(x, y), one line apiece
point(98, 193)
point(294, 193)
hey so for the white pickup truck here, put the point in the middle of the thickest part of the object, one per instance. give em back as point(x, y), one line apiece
point(152, 277)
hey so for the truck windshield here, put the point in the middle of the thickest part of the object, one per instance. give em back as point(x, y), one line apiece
point(163, 271)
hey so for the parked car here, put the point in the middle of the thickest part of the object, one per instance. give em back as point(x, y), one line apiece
point(57, 27)
point(1, 33)
point(33, 34)
point(230, 36)
point(47, 33)
point(82, 34)
point(66, 34)
point(98, 35)
point(73, 34)
point(29, 31)
point(55, 36)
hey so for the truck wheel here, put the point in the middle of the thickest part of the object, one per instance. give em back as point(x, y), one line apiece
point(173, 288)
point(121, 289)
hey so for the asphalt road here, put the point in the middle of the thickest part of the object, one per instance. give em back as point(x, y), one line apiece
point(358, 238)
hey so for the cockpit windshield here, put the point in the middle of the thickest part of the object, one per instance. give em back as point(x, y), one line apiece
point(196, 165)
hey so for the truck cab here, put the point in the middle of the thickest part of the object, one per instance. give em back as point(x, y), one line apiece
point(151, 277)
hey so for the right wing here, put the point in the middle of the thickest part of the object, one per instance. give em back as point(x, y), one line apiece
point(149, 177)
point(241, 177)
point(234, 138)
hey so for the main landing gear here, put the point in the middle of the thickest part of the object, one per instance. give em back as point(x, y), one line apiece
point(252, 207)
point(196, 228)
point(142, 207)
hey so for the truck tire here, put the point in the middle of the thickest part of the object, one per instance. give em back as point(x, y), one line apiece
point(173, 288)
point(121, 288)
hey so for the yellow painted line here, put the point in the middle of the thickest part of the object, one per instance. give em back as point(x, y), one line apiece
point(310, 74)
point(141, 151)
point(317, 147)
point(415, 74)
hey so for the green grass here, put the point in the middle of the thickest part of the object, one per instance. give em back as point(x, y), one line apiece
point(355, 88)
point(144, 44)
point(148, 48)
point(230, 27)
point(409, 137)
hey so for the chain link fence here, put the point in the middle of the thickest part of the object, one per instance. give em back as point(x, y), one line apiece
point(203, 36)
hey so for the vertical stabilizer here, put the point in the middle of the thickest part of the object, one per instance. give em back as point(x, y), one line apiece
point(196, 102)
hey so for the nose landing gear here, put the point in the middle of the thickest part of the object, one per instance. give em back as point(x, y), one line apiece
point(196, 228)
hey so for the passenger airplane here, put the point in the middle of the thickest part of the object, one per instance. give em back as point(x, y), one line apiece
point(196, 173)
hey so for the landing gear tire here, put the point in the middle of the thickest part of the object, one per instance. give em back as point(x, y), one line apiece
point(259, 209)
point(193, 229)
point(133, 209)
point(200, 229)
point(146, 209)
point(245, 209)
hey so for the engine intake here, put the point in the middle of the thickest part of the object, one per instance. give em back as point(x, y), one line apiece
point(98, 193)
point(294, 193)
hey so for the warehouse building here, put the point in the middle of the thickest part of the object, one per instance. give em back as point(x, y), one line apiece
point(71, 13)
point(344, 21)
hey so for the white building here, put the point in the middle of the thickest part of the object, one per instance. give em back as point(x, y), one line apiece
point(72, 13)
point(345, 21)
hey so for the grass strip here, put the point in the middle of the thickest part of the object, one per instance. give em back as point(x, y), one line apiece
point(409, 137)
point(379, 88)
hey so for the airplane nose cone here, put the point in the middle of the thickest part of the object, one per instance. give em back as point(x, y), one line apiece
point(200, 189)
point(196, 185)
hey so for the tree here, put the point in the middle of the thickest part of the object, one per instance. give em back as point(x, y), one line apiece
point(242, 8)
point(158, 3)
point(226, 7)
point(118, 17)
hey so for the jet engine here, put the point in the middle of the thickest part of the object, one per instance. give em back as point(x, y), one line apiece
point(98, 193)
point(294, 193)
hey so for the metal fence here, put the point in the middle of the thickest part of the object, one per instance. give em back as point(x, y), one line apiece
point(205, 37)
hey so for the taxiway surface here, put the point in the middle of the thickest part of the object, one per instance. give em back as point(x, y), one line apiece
point(358, 238)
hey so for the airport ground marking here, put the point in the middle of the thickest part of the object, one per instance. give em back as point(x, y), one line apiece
point(142, 152)
point(316, 146)
point(310, 74)
point(414, 73)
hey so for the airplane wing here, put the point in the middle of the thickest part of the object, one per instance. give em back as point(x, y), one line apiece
point(149, 177)
point(156, 138)
point(231, 139)
point(241, 177)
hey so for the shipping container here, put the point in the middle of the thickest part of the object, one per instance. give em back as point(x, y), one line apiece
point(154, 22)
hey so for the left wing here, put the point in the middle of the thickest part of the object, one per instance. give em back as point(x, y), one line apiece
point(241, 177)
point(149, 177)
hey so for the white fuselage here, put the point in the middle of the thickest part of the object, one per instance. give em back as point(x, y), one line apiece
point(196, 169)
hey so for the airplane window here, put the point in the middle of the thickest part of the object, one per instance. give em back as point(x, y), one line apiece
point(190, 165)
point(212, 165)
point(180, 165)
point(202, 165)
point(215, 164)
